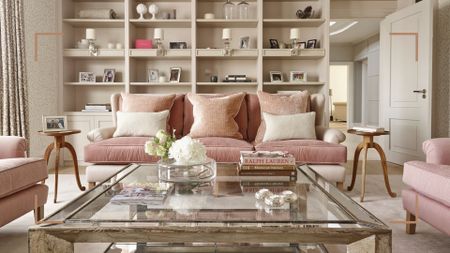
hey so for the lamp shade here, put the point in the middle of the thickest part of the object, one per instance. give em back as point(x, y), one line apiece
point(90, 34)
point(226, 34)
point(158, 34)
point(295, 34)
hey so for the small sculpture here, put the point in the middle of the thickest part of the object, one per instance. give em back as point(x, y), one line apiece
point(141, 10)
point(306, 13)
point(153, 9)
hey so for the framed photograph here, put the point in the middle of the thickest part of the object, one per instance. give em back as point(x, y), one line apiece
point(311, 43)
point(175, 74)
point(298, 76)
point(274, 43)
point(54, 123)
point(109, 75)
point(153, 75)
point(86, 77)
point(302, 45)
point(177, 45)
point(276, 77)
point(244, 42)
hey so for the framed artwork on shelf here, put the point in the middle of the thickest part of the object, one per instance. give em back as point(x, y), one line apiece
point(297, 76)
point(311, 43)
point(178, 45)
point(276, 76)
point(244, 42)
point(86, 77)
point(153, 75)
point(54, 123)
point(109, 75)
point(302, 45)
point(274, 43)
point(175, 75)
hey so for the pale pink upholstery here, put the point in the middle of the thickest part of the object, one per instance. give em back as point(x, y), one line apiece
point(12, 146)
point(225, 149)
point(431, 182)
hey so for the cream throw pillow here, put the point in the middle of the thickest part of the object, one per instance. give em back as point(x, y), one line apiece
point(140, 123)
point(293, 126)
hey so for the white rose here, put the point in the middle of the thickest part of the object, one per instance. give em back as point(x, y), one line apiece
point(187, 150)
point(149, 148)
point(161, 135)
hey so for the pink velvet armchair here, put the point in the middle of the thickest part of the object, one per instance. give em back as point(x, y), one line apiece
point(21, 190)
point(429, 182)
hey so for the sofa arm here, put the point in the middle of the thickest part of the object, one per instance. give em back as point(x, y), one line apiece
point(329, 135)
point(100, 134)
point(12, 147)
point(437, 151)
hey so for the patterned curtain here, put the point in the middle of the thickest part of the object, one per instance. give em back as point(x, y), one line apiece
point(13, 82)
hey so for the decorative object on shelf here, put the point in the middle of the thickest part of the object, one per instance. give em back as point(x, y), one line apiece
point(154, 10)
point(143, 44)
point(243, 9)
point(159, 37)
point(54, 123)
point(306, 13)
point(111, 45)
point(294, 36)
point(175, 75)
point(174, 14)
point(141, 10)
point(302, 45)
point(83, 44)
point(228, 9)
point(283, 45)
point(119, 46)
point(90, 36)
point(160, 144)
point(162, 78)
point(165, 15)
point(226, 37)
point(244, 42)
point(86, 77)
point(178, 45)
point(209, 16)
point(236, 78)
point(153, 75)
point(274, 43)
point(97, 14)
point(276, 76)
point(109, 75)
point(214, 79)
point(298, 76)
point(311, 43)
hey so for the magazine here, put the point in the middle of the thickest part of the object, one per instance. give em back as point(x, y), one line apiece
point(143, 194)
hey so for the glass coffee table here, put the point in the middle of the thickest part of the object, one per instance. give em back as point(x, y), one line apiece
point(223, 213)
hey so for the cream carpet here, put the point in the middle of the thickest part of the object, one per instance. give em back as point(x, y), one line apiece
point(13, 237)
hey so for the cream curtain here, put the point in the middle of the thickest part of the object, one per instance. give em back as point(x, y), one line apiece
point(13, 82)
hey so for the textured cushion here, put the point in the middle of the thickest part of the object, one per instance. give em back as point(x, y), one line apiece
point(214, 116)
point(429, 179)
point(293, 126)
point(140, 123)
point(120, 150)
point(225, 149)
point(12, 146)
point(146, 102)
point(281, 105)
point(308, 151)
point(19, 173)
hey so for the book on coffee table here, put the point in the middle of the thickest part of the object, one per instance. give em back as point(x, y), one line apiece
point(143, 194)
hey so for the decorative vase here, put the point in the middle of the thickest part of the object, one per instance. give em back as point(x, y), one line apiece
point(153, 9)
point(141, 10)
point(228, 9)
point(170, 170)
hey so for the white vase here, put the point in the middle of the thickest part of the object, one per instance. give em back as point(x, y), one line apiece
point(153, 9)
point(141, 10)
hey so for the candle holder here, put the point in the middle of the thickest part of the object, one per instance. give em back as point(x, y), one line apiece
point(294, 47)
point(93, 50)
point(159, 47)
point(227, 48)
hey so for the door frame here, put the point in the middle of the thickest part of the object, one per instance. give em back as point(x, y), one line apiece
point(350, 86)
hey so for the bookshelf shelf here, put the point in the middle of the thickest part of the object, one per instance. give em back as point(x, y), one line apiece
point(168, 84)
point(293, 83)
point(102, 53)
point(169, 54)
point(227, 84)
point(95, 23)
point(293, 22)
point(161, 23)
point(96, 84)
point(227, 23)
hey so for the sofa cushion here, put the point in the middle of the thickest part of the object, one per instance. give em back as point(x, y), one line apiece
point(146, 102)
point(430, 180)
point(308, 151)
point(120, 150)
point(20, 173)
point(140, 123)
point(225, 149)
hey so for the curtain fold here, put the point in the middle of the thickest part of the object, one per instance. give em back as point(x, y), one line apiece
point(13, 82)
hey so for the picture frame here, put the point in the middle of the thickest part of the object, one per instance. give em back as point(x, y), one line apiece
point(311, 43)
point(276, 77)
point(244, 42)
point(274, 43)
point(153, 75)
point(109, 75)
point(298, 76)
point(54, 123)
point(178, 45)
point(175, 75)
point(302, 45)
point(86, 77)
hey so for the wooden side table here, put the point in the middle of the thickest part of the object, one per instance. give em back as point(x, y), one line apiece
point(366, 144)
point(59, 143)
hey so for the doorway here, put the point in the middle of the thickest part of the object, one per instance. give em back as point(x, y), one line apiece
point(341, 95)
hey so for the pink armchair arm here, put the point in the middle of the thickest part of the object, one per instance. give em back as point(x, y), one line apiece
point(437, 151)
point(12, 147)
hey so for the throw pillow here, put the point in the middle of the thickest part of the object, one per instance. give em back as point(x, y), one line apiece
point(293, 126)
point(140, 123)
point(280, 105)
point(146, 102)
point(214, 116)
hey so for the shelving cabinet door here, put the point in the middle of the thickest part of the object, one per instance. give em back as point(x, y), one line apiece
point(78, 141)
point(103, 121)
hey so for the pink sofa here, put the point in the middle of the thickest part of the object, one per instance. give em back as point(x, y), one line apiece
point(123, 150)
point(430, 182)
point(20, 177)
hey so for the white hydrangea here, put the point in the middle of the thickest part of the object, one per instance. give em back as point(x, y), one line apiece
point(187, 150)
point(161, 135)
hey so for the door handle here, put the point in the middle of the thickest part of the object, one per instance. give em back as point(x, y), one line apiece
point(423, 91)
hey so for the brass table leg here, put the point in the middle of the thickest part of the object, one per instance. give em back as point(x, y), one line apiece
point(385, 171)
point(355, 165)
point(75, 164)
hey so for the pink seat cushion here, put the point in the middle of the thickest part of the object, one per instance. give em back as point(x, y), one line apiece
point(308, 151)
point(430, 180)
point(225, 149)
point(121, 150)
point(20, 173)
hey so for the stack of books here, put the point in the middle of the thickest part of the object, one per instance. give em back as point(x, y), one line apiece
point(267, 164)
point(236, 78)
point(369, 129)
point(97, 108)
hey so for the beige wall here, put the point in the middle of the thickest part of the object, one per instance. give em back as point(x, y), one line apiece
point(40, 16)
point(341, 52)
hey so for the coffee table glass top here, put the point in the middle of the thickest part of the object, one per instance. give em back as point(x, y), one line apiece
point(230, 199)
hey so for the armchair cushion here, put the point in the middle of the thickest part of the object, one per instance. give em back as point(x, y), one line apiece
point(437, 151)
point(12, 147)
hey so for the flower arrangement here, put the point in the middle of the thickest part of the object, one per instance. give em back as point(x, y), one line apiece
point(160, 144)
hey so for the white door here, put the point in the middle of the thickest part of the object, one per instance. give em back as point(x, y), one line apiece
point(406, 46)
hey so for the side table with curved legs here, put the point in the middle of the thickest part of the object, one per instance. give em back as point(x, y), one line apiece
point(59, 143)
point(365, 145)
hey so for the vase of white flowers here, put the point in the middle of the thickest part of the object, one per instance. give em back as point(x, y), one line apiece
point(160, 144)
